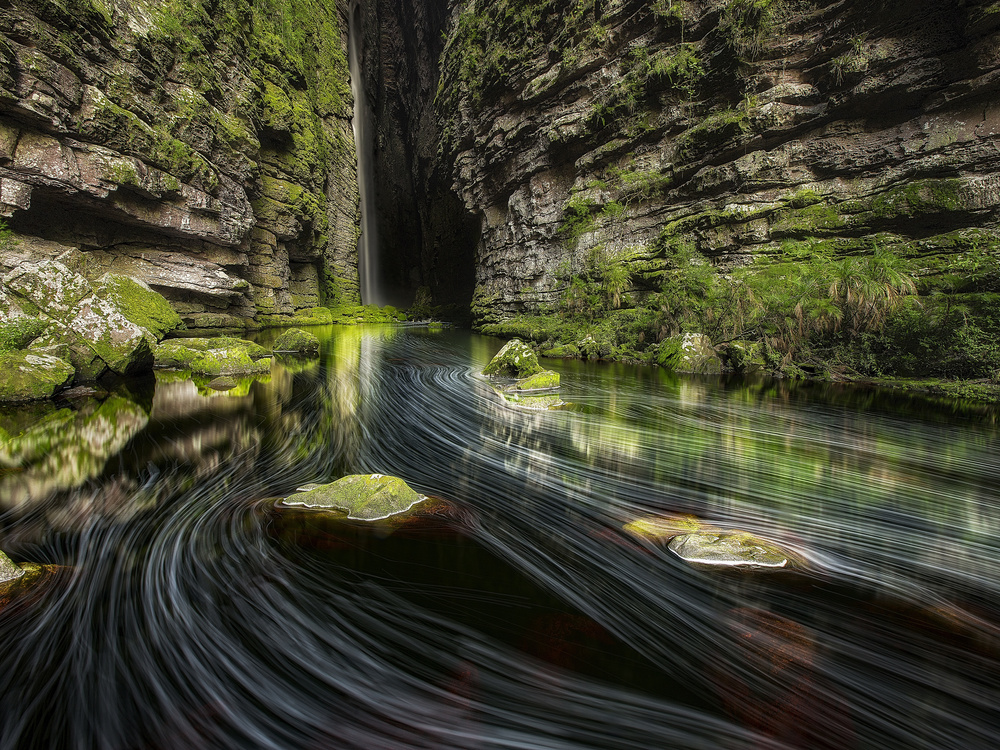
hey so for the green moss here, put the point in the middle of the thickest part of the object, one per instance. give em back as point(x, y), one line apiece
point(713, 131)
point(515, 360)
point(28, 376)
point(364, 314)
point(919, 198)
point(139, 304)
point(809, 221)
point(17, 333)
point(541, 381)
point(297, 340)
point(363, 497)
point(213, 356)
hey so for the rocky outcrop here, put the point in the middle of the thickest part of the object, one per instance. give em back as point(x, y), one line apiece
point(58, 315)
point(363, 497)
point(202, 148)
point(297, 341)
point(634, 137)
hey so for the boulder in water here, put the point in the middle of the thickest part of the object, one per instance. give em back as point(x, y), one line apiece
point(515, 360)
point(8, 569)
point(728, 549)
point(298, 341)
point(214, 356)
point(364, 497)
point(546, 380)
point(31, 376)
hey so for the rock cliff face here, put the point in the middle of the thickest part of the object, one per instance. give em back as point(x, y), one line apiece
point(591, 134)
point(426, 234)
point(202, 147)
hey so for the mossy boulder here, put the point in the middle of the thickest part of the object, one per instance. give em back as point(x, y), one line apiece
point(29, 376)
point(363, 497)
point(8, 570)
point(515, 360)
point(298, 341)
point(545, 380)
point(743, 356)
point(735, 549)
point(138, 303)
point(114, 325)
point(689, 352)
point(214, 356)
point(561, 351)
point(18, 333)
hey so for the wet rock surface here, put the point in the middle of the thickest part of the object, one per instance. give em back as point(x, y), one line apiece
point(515, 360)
point(363, 497)
point(296, 341)
point(213, 356)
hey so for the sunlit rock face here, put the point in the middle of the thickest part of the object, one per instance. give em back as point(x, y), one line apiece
point(585, 135)
point(179, 147)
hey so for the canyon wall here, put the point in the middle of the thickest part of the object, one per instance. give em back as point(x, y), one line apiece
point(634, 134)
point(204, 147)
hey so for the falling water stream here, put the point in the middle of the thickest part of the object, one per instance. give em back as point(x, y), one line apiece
point(182, 609)
point(364, 146)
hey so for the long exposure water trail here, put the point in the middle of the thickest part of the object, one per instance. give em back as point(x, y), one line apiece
point(188, 611)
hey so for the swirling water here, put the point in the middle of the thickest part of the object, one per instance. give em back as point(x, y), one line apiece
point(188, 612)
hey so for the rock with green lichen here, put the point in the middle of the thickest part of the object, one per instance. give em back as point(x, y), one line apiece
point(546, 380)
point(8, 570)
point(138, 303)
point(515, 360)
point(29, 376)
point(213, 356)
point(18, 333)
point(114, 325)
point(363, 497)
point(298, 341)
point(735, 549)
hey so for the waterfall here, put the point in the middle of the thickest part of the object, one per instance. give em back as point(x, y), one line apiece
point(368, 241)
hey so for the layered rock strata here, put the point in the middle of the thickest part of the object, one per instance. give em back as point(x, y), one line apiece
point(204, 148)
point(584, 133)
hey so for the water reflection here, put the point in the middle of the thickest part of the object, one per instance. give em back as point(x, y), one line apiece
point(524, 615)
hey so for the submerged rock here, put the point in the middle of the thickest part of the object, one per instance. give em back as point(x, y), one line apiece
point(30, 376)
point(8, 569)
point(214, 356)
point(298, 341)
point(364, 497)
point(736, 549)
point(515, 360)
point(531, 401)
point(545, 380)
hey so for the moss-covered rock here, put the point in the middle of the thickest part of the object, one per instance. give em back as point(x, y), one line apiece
point(661, 529)
point(515, 360)
point(8, 570)
point(298, 341)
point(28, 376)
point(689, 352)
point(138, 303)
point(103, 328)
point(18, 333)
point(545, 380)
point(736, 549)
point(363, 497)
point(743, 356)
point(214, 356)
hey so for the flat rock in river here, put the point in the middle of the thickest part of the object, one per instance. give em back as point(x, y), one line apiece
point(735, 549)
point(364, 497)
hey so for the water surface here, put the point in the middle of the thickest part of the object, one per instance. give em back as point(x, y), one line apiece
point(191, 613)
